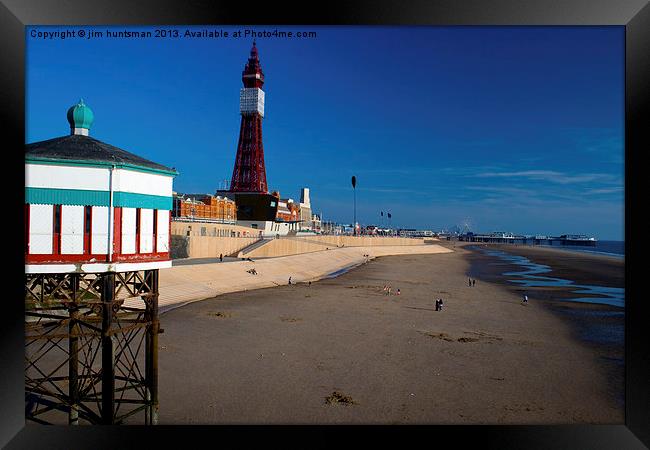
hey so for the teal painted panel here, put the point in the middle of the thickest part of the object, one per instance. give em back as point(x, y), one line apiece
point(132, 200)
point(47, 196)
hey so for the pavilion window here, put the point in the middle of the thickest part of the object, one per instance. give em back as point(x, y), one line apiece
point(56, 235)
point(155, 231)
point(27, 207)
point(87, 229)
point(137, 230)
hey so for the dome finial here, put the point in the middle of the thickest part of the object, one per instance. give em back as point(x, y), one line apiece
point(80, 118)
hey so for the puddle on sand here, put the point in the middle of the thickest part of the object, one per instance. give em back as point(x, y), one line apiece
point(531, 276)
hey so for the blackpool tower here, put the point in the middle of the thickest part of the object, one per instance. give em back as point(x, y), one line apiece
point(249, 174)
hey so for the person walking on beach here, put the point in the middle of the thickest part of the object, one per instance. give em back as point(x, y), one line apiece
point(440, 305)
point(437, 304)
point(398, 292)
point(469, 282)
point(525, 298)
point(221, 257)
point(473, 283)
point(289, 280)
point(388, 290)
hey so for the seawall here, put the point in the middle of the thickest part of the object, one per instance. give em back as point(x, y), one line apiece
point(184, 284)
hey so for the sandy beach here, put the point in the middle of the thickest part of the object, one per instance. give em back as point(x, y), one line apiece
point(341, 351)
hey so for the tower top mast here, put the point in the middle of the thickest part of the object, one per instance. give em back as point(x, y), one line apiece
point(252, 76)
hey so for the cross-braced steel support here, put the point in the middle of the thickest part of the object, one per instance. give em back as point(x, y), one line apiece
point(91, 345)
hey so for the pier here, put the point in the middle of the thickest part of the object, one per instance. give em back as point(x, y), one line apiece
point(509, 238)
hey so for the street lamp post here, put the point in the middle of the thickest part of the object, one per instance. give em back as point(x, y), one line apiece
point(354, 190)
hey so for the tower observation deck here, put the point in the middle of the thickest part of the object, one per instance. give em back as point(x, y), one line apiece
point(249, 173)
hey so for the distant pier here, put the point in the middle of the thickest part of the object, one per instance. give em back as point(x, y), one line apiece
point(509, 238)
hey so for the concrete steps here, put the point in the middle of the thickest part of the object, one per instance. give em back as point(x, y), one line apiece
point(246, 250)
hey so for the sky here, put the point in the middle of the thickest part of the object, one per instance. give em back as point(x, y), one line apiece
point(517, 129)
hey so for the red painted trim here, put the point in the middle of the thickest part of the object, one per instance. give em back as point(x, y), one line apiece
point(117, 230)
point(58, 258)
point(73, 259)
point(27, 211)
point(141, 257)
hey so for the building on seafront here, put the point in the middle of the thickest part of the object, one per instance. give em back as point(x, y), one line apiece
point(304, 208)
point(204, 208)
point(316, 223)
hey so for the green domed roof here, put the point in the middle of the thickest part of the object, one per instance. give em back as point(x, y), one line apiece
point(80, 116)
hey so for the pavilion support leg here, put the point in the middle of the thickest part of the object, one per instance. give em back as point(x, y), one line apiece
point(108, 349)
point(73, 348)
point(151, 364)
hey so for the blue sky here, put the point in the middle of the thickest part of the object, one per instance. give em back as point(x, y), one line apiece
point(506, 128)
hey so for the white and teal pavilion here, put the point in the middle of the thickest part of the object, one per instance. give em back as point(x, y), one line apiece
point(92, 207)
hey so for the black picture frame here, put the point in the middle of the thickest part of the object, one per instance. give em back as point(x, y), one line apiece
point(634, 15)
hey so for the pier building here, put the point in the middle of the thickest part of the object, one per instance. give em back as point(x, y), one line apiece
point(97, 230)
point(94, 207)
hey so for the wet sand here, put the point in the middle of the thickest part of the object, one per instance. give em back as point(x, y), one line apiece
point(340, 351)
point(599, 326)
point(581, 267)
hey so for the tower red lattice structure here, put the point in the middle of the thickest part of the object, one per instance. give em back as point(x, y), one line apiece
point(249, 174)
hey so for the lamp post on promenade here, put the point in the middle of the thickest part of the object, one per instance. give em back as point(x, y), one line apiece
point(354, 189)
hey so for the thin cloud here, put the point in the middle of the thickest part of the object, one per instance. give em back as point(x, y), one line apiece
point(548, 175)
point(501, 190)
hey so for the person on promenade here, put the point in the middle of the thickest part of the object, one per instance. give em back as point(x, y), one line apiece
point(437, 304)
point(221, 257)
point(440, 305)
point(473, 283)
point(289, 280)
point(469, 282)
point(525, 298)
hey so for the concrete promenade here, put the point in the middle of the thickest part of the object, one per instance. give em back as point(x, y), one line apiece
point(187, 283)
